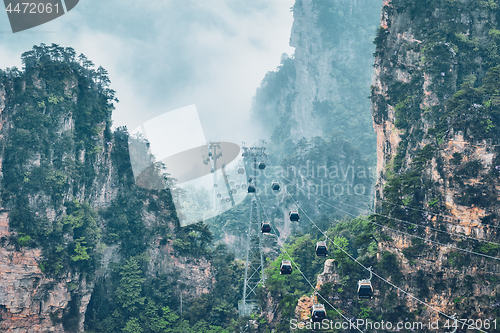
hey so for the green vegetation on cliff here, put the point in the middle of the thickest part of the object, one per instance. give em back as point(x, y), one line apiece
point(58, 113)
point(69, 189)
point(438, 76)
point(338, 63)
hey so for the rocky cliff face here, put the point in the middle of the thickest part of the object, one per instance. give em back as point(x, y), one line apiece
point(329, 275)
point(435, 112)
point(29, 299)
point(312, 71)
point(312, 92)
point(60, 165)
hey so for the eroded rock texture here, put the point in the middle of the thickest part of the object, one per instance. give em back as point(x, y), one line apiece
point(435, 113)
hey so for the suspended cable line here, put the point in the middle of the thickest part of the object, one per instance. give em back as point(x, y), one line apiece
point(411, 235)
point(402, 221)
point(402, 205)
point(381, 278)
point(301, 273)
point(412, 208)
point(399, 220)
point(424, 226)
point(473, 144)
point(436, 214)
point(408, 222)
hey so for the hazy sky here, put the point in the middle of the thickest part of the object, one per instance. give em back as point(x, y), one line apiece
point(162, 55)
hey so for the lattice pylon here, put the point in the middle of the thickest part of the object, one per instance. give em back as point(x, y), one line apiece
point(254, 260)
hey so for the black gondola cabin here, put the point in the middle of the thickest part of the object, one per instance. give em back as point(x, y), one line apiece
point(294, 216)
point(318, 313)
point(321, 249)
point(365, 289)
point(262, 165)
point(286, 267)
point(275, 186)
point(251, 188)
point(265, 227)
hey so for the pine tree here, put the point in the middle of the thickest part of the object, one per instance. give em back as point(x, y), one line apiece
point(129, 291)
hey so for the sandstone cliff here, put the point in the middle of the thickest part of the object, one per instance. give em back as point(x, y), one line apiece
point(435, 116)
point(63, 172)
point(321, 89)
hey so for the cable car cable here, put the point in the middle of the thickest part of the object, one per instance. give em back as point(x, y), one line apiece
point(415, 224)
point(421, 210)
point(424, 226)
point(412, 208)
point(425, 211)
point(411, 235)
point(375, 274)
point(381, 278)
point(297, 267)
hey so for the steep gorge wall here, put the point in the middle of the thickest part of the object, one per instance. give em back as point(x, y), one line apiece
point(60, 166)
point(27, 298)
point(435, 103)
point(321, 89)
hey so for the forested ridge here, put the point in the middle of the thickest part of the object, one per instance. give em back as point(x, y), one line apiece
point(434, 101)
point(59, 156)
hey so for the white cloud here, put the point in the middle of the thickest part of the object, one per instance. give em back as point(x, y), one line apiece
point(162, 55)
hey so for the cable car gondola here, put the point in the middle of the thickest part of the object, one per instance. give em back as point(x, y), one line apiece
point(219, 195)
point(265, 227)
point(233, 190)
point(318, 313)
point(321, 249)
point(294, 216)
point(286, 267)
point(240, 171)
point(262, 165)
point(365, 289)
point(275, 186)
point(251, 188)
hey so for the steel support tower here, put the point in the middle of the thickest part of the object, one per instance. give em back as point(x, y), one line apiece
point(214, 153)
point(212, 157)
point(254, 259)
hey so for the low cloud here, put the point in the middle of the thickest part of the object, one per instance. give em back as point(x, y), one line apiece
point(162, 55)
